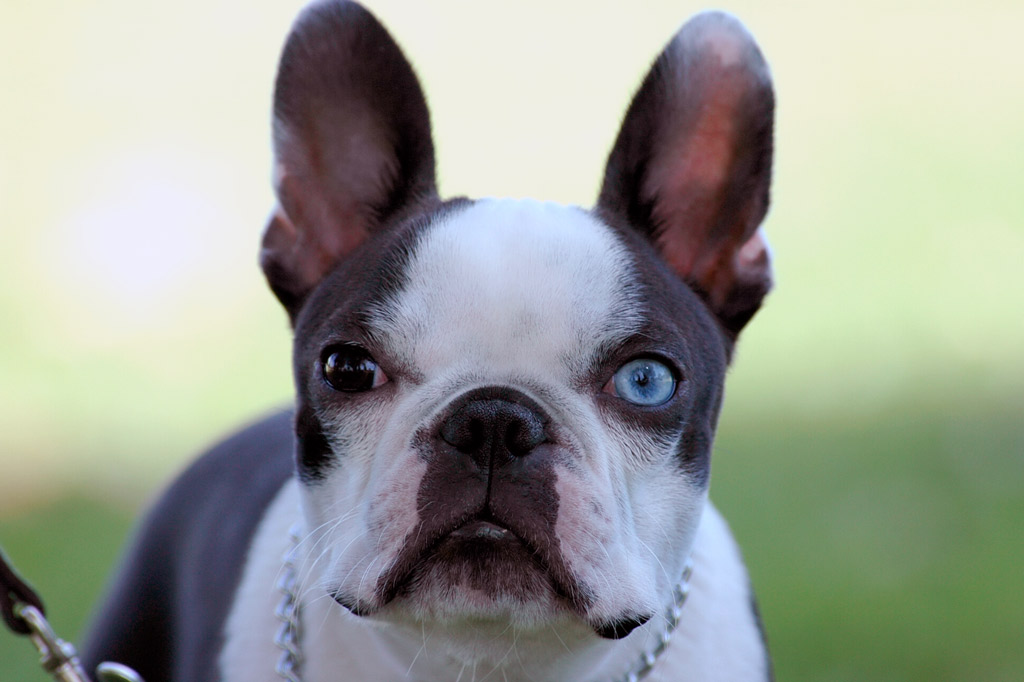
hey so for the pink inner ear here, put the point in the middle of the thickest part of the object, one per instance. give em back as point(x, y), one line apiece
point(335, 168)
point(305, 242)
point(690, 178)
point(329, 178)
point(702, 226)
point(294, 257)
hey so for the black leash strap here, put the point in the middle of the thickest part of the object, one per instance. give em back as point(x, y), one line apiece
point(13, 592)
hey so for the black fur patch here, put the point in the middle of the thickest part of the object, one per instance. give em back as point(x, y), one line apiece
point(312, 451)
point(621, 628)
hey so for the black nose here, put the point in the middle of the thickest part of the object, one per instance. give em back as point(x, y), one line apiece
point(494, 431)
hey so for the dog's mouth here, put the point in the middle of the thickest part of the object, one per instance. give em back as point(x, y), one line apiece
point(481, 561)
point(484, 555)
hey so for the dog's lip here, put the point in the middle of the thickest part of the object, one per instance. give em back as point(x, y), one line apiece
point(481, 529)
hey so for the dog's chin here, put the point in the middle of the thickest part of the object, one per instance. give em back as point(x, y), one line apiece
point(481, 571)
point(478, 572)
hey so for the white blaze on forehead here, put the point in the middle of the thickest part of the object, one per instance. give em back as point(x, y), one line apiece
point(512, 285)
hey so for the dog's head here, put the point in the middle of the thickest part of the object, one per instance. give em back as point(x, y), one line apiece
point(506, 408)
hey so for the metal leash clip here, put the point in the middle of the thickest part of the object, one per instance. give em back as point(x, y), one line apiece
point(23, 613)
point(59, 658)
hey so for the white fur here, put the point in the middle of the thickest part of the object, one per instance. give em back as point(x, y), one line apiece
point(512, 287)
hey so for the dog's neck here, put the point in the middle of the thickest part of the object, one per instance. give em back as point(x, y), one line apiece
point(480, 647)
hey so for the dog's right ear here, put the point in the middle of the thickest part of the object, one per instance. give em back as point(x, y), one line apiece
point(352, 145)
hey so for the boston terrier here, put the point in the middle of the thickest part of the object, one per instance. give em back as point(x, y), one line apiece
point(497, 463)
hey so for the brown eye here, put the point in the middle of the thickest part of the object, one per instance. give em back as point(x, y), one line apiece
point(351, 369)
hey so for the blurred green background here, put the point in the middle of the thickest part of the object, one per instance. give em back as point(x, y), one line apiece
point(871, 452)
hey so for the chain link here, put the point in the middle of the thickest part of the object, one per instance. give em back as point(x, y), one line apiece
point(288, 636)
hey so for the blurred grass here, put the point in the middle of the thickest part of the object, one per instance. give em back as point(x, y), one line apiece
point(871, 452)
point(884, 545)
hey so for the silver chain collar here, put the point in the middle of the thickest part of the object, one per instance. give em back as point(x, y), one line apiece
point(289, 637)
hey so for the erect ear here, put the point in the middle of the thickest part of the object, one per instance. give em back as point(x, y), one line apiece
point(352, 145)
point(692, 164)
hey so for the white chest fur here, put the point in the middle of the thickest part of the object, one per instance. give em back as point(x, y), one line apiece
point(717, 638)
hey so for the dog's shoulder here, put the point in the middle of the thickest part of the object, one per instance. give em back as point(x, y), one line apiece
point(255, 461)
point(190, 549)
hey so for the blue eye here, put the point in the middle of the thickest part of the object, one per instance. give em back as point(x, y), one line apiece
point(644, 381)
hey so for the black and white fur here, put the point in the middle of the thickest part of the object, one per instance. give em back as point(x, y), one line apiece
point(488, 506)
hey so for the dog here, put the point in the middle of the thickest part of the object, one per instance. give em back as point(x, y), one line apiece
point(498, 459)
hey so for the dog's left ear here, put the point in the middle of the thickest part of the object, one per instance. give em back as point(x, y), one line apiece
point(692, 164)
point(352, 145)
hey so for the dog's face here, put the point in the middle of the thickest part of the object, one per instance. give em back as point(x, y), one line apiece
point(517, 423)
point(506, 408)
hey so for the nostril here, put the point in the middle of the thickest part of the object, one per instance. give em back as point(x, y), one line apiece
point(463, 432)
point(524, 433)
